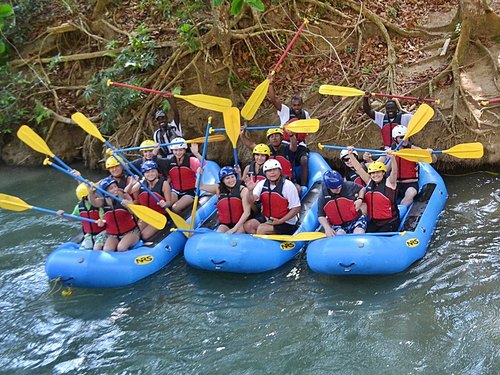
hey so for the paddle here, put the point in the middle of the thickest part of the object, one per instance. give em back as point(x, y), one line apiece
point(412, 154)
point(89, 127)
point(472, 150)
point(198, 175)
point(489, 101)
point(9, 202)
point(299, 126)
point(146, 214)
point(212, 138)
point(212, 103)
point(33, 140)
point(253, 103)
point(349, 91)
point(303, 236)
point(232, 124)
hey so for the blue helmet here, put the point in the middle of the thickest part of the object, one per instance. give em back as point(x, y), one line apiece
point(332, 179)
point(226, 171)
point(107, 182)
point(148, 165)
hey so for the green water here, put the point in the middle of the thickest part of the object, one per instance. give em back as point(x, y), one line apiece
point(442, 316)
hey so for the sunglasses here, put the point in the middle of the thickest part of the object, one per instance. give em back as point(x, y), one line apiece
point(345, 160)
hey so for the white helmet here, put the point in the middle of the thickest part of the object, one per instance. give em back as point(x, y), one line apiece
point(344, 152)
point(399, 131)
point(178, 146)
point(271, 164)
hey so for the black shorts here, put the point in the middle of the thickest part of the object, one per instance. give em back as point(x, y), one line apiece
point(301, 151)
point(180, 194)
point(284, 228)
point(403, 186)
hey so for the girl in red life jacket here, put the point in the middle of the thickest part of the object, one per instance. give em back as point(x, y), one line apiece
point(233, 206)
point(94, 236)
point(181, 173)
point(407, 170)
point(159, 187)
point(254, 171)
point(340, 207)
point(121, 228)
point(280, 203)
point(380, 195)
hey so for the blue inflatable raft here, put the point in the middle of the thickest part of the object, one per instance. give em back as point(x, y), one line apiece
point(385, 253)
point(102, 269)
point(243, 253)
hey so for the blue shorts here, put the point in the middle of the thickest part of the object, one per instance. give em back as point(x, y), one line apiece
point(360, 222)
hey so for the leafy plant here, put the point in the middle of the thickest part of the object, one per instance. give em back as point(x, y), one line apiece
point(188, 35)
point(237, 5)
point(6, 12)
point(41, 112)
point(13, 88)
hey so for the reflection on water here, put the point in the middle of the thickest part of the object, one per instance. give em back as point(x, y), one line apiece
point(440, 317)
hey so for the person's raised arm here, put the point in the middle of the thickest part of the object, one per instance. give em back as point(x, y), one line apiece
point(367, 108)
point(271, 94)
point(392, 180)
point(357, 166)
point(244, 138)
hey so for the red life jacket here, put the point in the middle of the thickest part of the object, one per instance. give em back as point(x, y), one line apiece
point(283, 156)
point(89, 213)
point(387, 127)
point(351, 175)
point(406, 169)
point(258, 176)
point(339, 210)
point(230, 206)
point(183, 177)
point(118, 220)
point(145, 199)
point(274, 204)
point(381, 202)
point(301, 137)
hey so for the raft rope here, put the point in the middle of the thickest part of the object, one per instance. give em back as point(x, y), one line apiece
point(57, 285)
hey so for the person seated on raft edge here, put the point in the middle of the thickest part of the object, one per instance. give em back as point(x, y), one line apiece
point(341, 208)
point(407, 186)
point(181, 174)
point(280, 203)
point(94, 236)
point(160, 188)
point(380, 195)
point(233, 206)
point(121, 227)
point(287, 115)
point(280, 151)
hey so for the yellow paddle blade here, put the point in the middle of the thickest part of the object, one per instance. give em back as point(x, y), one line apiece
point(303, 236)
point(419, 119)
point(303, 126)
point(472, 150)
point(211, 138)
point(232, 124)
point(83, 122)
point(415, 155)
point(193, 211)
point(178, 220)
point(212, 103)
point(149, 216)
point(255, 100)
point(9, 202)
point(339, 90)
point(33, 140)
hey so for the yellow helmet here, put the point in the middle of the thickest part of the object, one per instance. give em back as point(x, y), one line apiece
point(81, 191)
point(150, 144)
point(376, 166)
point(262, 148)
point(112, 161)
point(274, 131)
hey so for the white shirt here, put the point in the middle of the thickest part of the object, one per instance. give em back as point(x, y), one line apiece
point(284, 114)
point(173, 131)
point(379, 119)
point(289, 191)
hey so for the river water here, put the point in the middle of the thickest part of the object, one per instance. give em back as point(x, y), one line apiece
point(442, 316)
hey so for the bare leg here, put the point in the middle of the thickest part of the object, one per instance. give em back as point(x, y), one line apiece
point(182, 203)
point(410, 193)
point(251, 226)
point(129, 240)
point(110, 244)
point(222, 228)
point(265, 228)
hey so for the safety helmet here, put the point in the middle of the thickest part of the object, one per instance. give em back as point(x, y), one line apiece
point(159, 113)
point(148, 165)
point(178, 146)
point(226, 171)
point(271, 164)
point(274, 131)
point(81, 191)
point(107, 182)
point(112, 161)
point(332, 179)
point(376, 166)
point(150, 144)
point(399, 131)
point(262, 148)
point(344, 152)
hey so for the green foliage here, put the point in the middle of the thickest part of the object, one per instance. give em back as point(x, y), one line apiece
point(238, 83)
point(41, 113)
point(6, 12)
point(367, 69)
point(188, 35)
point(13, 88)
point(237, 5)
